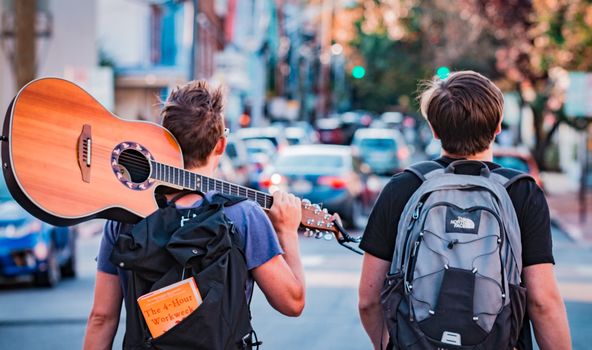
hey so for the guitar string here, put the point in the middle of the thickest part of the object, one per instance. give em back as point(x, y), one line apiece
point(139, 163)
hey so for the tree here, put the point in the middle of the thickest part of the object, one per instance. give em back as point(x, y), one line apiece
point(539, 41)
point(401, 42)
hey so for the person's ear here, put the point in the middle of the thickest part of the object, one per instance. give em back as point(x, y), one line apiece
point(220, 146)
point(498, 129)
point(434, 132)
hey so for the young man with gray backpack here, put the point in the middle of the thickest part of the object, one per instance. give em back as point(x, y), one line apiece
point(458, 251)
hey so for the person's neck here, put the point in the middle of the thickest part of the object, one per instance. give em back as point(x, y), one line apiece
point(187, 200)
point(486, 155)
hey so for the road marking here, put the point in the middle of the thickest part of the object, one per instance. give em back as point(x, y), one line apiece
point(312, 260)
point(576, 291)
point(332, 279)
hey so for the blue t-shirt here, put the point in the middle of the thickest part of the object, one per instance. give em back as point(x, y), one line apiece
point(260, 241)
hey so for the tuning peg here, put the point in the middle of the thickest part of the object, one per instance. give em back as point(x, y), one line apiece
point(308, 233)
point(318, 234)
point(325, 211)
point(328, 236)
point(306, 203)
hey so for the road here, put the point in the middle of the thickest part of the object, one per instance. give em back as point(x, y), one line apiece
point(35, 318)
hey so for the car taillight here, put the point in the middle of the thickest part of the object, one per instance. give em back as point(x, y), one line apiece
point(272, 180)
point(403, 153)
point(334, 182)
point(265, 183)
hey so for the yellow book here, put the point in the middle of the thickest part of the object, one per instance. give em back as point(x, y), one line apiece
point(167, 306)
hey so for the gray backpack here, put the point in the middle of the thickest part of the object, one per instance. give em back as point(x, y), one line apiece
point(455, 278)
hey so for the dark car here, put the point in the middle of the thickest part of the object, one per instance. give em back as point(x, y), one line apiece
point(30, 247)
point(324, 174)
point(330, 131)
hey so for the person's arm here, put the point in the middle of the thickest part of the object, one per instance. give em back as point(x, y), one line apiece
point(282, 278)
point(545, 308)
point(371, 281)
point(104, 316)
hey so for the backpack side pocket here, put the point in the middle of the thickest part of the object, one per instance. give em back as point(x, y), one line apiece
point(390, 299)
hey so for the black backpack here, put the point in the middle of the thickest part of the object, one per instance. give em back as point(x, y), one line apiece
point(173, 244)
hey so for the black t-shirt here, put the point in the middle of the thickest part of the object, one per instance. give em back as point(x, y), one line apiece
point(528, 199)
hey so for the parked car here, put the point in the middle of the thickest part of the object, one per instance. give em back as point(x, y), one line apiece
point(299, 136)
point(273, 134)
point(352, 121)
point(326, 174)
point(330, 131)
point(392, 120)
point(518, 158)
point(236, 152)
point(30, 247)
point(260, 153)
point(433, 149)
point(383, 150)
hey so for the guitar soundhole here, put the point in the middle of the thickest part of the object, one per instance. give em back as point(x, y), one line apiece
point(134, 166)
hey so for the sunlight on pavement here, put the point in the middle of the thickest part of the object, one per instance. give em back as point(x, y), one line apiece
point(332, 279)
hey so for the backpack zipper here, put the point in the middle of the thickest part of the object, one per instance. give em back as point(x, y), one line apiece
point(412, 222)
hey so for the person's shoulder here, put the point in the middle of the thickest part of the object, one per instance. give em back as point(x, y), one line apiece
point(402, 180)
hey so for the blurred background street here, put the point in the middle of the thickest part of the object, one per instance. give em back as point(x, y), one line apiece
point(320, 101)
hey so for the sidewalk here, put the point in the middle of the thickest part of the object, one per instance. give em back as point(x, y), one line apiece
point(562, 195)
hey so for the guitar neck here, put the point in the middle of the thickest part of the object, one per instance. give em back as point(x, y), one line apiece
point(178, 177)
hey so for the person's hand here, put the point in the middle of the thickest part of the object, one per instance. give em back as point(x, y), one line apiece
point(285, 213)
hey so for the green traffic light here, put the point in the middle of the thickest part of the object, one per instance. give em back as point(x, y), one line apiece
point(443, 72)
point(358, 72)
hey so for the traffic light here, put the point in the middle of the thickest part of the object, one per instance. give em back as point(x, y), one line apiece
point(443, 72)
point(358, 72)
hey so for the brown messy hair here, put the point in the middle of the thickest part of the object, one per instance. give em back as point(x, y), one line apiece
point(464, 110)
point(193, 114)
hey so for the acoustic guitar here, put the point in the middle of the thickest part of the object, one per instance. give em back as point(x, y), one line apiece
point(66, 159)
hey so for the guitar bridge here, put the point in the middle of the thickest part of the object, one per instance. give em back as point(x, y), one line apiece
point(85, 152)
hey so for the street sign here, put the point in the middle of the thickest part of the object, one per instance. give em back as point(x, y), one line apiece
point(578, 98)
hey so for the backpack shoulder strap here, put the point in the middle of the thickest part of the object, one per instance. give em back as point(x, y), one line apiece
point(507, 177)
point(423, 170)
point(226, 200)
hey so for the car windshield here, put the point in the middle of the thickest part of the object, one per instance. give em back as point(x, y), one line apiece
point(320, 162)
point(511, 162)
point(272, 139)
point(378, 143)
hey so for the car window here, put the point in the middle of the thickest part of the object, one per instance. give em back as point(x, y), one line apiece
point(4, 193)
point(231, 150)
point(309, 161)
point(378, 143)
point(512, 163)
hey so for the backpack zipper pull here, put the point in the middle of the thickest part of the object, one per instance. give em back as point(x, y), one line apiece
point(414, 216)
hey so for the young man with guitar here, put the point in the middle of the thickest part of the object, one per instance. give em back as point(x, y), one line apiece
point(465, 113)
point(193, 114)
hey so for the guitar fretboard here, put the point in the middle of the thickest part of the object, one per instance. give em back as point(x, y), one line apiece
point(192, 181)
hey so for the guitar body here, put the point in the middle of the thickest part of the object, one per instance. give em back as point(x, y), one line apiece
point(62, 159)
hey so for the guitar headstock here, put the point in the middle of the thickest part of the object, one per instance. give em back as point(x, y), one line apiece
point(317, 221)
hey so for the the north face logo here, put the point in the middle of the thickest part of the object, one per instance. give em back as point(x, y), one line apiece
point(463, 223)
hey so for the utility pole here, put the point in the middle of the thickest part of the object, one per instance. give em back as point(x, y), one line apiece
point(194, 42)
point(25, 54)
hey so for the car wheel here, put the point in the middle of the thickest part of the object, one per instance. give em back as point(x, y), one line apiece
point(52, 275)
point(69, 267)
